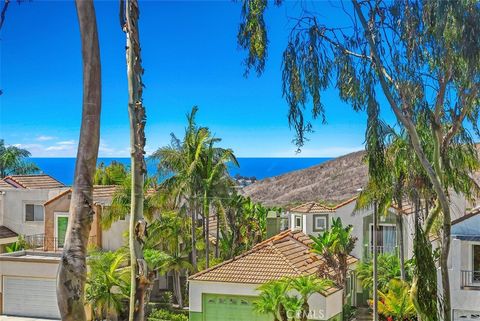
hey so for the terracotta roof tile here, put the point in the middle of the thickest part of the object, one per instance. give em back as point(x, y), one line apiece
point(311, 207)
point(102, 194)
point(41, 181)
point(287, 254)
point(4, 184)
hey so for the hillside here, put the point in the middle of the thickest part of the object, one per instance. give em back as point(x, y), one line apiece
point(332, 182)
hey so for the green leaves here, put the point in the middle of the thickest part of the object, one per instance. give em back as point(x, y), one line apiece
point(13, 161)
point(252, 34)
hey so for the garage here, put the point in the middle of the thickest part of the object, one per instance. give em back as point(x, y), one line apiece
point(30, 297)
point(231, 308)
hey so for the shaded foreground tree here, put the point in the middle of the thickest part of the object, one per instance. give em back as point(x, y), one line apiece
point(424, 57)
point(129, 13)
point(73, 267)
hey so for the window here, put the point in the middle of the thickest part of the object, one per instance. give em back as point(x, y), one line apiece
point(298, 222)
point(320, 223)
point(33, 213)
point(476, 262)
point(386, 238)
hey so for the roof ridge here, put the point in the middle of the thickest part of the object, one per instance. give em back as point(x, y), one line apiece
point(58, 196)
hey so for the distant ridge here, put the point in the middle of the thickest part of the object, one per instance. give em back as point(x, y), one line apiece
point(330, 182)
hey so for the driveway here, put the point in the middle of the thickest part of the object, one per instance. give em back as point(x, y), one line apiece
point(8, 318)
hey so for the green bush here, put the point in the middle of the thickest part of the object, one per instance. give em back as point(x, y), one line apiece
point(165, 315)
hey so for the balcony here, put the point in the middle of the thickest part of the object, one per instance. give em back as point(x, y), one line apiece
point(470, 280)
point(381, 249)
point(44, 243)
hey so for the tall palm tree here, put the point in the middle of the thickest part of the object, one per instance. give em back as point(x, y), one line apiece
point(12, 161)
point(180, 162)
point(214, 174)
point(306, 286)
point(72, 270)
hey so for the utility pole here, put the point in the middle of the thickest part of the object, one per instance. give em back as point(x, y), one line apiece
point(375, 279)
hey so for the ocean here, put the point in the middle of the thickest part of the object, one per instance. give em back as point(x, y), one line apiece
point(63, 168)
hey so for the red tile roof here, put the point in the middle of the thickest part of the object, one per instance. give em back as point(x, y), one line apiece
point(102, 194)
point(311, 208)
point(40, 181)
point(287, 254)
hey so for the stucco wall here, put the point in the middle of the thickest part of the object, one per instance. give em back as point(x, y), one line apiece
point(13, 210)
point(461, 299)
point(114, 237)
point(27, 269)
point(323, 308)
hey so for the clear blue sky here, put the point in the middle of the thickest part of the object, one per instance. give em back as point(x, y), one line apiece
point(190, 57)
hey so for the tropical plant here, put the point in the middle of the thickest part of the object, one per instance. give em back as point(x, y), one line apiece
point(165, 315)
point(396, 303)
point(274, 300)
point(13, 161)
point(72, 270)
point(108, 284)
point(423, 57)
point(114, 174)
point(306, 286)
point(388, 268)
point(335, 245)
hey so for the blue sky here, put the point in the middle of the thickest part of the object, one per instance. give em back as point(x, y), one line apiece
point(190, 58)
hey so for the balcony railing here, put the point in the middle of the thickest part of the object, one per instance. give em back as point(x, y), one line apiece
point(470, 280)
point(381, 249)
point(43, 243)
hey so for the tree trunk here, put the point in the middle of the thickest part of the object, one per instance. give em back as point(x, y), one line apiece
point(217, 250)
point(178, 288)
point(73, 268)
point(401, 247)
point(136, 111)
point(206, 217)
point(194, 235)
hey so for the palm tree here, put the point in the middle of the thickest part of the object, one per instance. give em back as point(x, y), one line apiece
point(12, 161)
point(180, 162)
point(113, 174)
point(396, 304)
point(306, 286)
point(107, 284)
point(72, 270)
point(215, 177)
point(272, 298)
point(335, 245)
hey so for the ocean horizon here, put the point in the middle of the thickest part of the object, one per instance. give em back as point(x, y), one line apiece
point(62, 168)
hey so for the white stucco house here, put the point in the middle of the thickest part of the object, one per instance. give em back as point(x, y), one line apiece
point(464, 263)
point(21, 205)
point(227, 291)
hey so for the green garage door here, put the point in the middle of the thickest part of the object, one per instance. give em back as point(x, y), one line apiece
point(218, 307)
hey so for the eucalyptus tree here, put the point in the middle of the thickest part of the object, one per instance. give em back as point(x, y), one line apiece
point(129, 15)
point(72, 270)
point(414, 57)
point(13, 161)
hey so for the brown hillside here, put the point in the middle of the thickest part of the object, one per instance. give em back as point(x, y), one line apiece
point(332, 182)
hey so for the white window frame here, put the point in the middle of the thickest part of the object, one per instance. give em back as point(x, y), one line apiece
point(324, 218)
point(295, 225)
point(370, 241)
point(34, 203)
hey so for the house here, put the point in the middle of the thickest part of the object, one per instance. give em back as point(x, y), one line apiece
point(30, 276)
point(464, 267)
point(227, 291)
point(21, 205)
point(56, 221)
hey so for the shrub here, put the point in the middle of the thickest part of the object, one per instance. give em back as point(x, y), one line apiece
point(165, 315)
